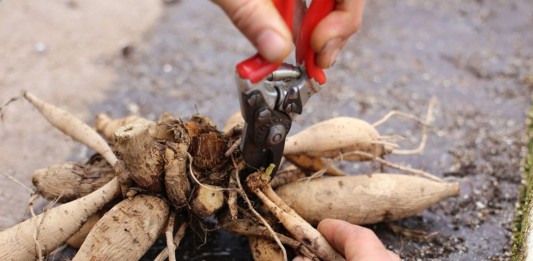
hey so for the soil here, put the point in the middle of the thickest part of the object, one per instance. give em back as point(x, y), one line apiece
point(474, 56)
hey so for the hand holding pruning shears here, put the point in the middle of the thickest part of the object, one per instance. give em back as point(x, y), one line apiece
point(271, 92)
point(265, 28)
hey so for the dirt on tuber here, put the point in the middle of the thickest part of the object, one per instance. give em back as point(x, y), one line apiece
point(127, 231)
point(364, 199)
point(338, 136)
point(68, 181)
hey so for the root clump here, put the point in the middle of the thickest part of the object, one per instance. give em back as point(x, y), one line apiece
point(170, 169)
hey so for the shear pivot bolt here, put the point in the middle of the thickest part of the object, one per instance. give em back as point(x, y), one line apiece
point(276, 134)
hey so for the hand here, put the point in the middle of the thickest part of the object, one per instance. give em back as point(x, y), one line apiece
point(354, 242)
point(261, 23)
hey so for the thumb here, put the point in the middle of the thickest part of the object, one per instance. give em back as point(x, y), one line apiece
point(354, 242)
point(261, 23)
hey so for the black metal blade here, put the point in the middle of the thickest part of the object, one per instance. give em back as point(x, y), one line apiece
point(264, 133)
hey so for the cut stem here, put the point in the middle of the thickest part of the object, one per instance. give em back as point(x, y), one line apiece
point(296, 225)
point(257, 215)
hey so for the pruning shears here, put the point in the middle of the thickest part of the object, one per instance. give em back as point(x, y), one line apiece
point(272, 94)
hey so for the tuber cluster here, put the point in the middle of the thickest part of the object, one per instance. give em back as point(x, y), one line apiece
point(151, 179)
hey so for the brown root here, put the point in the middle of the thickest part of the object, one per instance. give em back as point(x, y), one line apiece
point(126, 231)
point(208, 150)
point(177, 183)
point(287, 175)
point(232, 198)
point(250, 228)
point(141, 154)
point(18, 182)
point(69, 181)
point(164, 158)
point(3, 108)
point(314, 164)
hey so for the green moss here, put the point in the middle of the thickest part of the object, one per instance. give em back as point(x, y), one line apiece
point(521, 223)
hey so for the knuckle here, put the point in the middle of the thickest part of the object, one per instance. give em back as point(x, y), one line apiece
point(242, 15)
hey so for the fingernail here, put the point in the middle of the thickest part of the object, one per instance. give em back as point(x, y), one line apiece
point(271, 45)
point(332, 49)
point(333, 57)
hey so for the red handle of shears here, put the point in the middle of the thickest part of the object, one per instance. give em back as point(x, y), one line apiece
point(257, 68)
point(304, 53)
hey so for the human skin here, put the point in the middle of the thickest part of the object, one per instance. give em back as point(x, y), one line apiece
point(261, 23)
point(354, 242)
point(264, 27)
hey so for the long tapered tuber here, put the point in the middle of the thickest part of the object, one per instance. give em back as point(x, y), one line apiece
point(55, 225)
point(364, 199)
point(126, 231)
point(159, 158)
point(336, 136)
point(73, 127)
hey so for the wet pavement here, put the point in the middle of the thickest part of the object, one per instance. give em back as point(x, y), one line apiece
point(474, 56)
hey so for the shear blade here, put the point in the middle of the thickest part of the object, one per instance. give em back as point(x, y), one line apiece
point(264, 134)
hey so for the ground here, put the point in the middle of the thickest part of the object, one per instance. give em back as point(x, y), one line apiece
point(148, 57)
